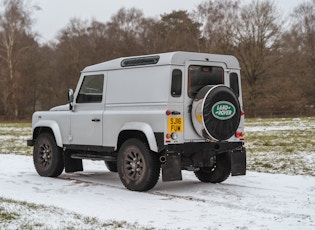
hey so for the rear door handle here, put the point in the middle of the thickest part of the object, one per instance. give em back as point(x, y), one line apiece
point(96, 120)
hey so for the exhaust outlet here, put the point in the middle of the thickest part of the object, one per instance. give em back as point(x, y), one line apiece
point(162, 159)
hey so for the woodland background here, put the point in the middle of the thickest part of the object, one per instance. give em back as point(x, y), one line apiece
point(276, 54)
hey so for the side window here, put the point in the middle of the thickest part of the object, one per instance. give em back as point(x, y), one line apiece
point(234, 83)
point(176, 87)
point(91, 90)
point(200, 76)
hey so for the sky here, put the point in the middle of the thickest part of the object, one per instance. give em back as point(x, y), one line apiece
point(56, 14)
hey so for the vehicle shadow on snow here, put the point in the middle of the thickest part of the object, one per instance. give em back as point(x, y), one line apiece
point(111, 179)
point(94, 177)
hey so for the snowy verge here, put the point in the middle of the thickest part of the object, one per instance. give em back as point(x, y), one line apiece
point(254, 201)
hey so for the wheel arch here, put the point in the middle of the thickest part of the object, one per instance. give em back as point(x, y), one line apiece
point(51, 127)
point(139, 130)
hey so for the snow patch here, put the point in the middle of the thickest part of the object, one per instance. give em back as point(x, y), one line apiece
point(254, 201)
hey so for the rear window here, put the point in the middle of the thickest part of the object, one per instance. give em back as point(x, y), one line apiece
point(200, 76)
point(176, 88)
point(234, 84)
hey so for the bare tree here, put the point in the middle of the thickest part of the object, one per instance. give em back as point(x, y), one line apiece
point(302, 47)
point(217, 19)
point(125, 29)
point(98, 40)
point(257, 44)
point(80, 43)
point(178, 31)
point(15, 25)
point(304, 26)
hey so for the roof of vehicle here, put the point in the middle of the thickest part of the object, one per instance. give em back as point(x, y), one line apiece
point(172, 58)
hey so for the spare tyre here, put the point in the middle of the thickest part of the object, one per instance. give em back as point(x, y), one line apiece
point(216, 112)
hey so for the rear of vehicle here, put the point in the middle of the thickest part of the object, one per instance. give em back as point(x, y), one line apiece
point(205, 124)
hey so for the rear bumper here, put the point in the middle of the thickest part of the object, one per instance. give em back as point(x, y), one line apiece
point(209, 148)
point(192, 156)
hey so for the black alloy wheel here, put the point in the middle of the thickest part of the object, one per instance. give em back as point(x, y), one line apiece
point(47, 156)
point(138, 167)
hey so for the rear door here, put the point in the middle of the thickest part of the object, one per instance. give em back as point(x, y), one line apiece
point(199, 74)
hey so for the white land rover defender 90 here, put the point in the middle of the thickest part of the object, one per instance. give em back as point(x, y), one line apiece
point(175, 111)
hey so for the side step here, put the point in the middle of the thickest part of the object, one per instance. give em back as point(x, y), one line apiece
point(93, 157)
point(73, 161)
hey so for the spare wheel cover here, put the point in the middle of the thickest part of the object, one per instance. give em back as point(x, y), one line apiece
point(216, 112)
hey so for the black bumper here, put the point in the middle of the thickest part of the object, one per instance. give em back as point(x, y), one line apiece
point(192, 156)
point(209, 148)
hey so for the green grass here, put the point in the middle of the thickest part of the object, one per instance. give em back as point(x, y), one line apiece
point(13, 138)
point(289, 148)
point(273, 145)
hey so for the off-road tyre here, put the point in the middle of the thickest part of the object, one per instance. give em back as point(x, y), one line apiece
point(138, 167)
point(111, 166)
point(47, 156)
point(217, 174)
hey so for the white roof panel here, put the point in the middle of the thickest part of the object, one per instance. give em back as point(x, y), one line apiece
point(172, 58)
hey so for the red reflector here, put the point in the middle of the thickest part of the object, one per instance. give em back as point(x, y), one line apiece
point(242, 113)
point(168, 112)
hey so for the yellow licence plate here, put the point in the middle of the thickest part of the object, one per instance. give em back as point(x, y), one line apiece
point(175, 124)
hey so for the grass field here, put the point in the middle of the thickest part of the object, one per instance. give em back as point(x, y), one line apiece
point(273, 145)
point(13, 138)
point(281, 145)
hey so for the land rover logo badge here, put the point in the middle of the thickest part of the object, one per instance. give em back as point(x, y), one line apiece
point(223, 110)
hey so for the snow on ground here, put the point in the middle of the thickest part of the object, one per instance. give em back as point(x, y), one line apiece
point(254, 201)
point(284, 124)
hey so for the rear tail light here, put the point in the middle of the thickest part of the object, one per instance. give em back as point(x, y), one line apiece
point(240, 135)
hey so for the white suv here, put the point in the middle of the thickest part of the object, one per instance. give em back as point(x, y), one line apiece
point(175, 111)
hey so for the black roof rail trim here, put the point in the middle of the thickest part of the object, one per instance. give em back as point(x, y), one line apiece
point(148, 60)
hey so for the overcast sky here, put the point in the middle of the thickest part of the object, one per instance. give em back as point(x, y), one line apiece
point(55, 14)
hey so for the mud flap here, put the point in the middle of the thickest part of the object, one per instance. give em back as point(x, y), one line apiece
point(72, 165)
point(238, 162)
point(171, 169)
